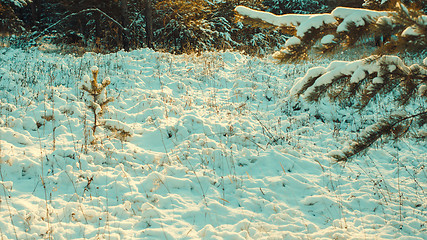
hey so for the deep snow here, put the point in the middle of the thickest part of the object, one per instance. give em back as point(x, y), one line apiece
point(218, 149)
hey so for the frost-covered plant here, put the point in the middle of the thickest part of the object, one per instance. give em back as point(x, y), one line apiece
point(99, 100)
point(357, 83)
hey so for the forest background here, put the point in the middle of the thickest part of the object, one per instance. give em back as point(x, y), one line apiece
point(167, 25)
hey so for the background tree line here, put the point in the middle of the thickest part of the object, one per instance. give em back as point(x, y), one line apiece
point(172, 25)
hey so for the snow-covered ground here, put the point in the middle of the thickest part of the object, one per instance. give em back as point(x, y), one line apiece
point(193, 147)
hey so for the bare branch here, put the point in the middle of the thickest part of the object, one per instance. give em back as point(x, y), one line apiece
point(75, 14)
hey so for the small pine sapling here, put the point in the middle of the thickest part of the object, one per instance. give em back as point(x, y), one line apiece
point(99, 100)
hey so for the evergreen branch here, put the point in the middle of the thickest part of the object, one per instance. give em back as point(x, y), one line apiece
point(366, 78)
point(258, 23)
point(374, 133)
point(331, 47)
point(307, 81)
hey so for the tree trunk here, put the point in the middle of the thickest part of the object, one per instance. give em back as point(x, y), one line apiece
point(125, 23)
point(149, 23)
point(35, 13)
point(97, 16)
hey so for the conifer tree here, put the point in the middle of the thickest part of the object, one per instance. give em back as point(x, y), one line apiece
point(97, 92)
point(388, 4)
point(201, 25)
point(182, 21)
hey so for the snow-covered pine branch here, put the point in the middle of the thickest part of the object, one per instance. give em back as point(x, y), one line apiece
point(343, 27)
point(366, 77)
point(411, 25)
point(394, 126)
point(361, 81)
point(342, 16)
point(286, 20)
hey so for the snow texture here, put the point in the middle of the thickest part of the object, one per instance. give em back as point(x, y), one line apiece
point(422, 20)
point(218, 150)
point(385, 20)
point(422, 89)
point(94, 69)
